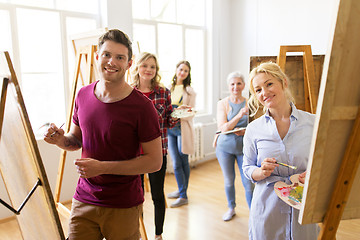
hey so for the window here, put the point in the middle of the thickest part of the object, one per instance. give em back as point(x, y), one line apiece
point(174, 30)
point(86, 6)
point(41, 51)
point(73, 24)
point(35, 3)
point(41, 64)
point(5, 29)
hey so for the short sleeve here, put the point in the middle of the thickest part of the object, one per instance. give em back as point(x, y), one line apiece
point(75, 117)
point(149, 128)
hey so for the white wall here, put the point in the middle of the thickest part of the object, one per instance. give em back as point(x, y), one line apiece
point(117, 14)
point(240, 29)
point(259, 27)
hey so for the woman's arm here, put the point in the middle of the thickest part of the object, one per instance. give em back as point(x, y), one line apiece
point(250, 166)
point(267, 167)
point(222, 122)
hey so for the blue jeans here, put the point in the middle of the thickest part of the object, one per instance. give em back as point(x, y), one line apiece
point(180, 161)
point(227, 164)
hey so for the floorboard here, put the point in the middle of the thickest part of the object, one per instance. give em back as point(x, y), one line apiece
point(201, 219)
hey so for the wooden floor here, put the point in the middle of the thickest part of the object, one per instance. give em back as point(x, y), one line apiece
point(202, 218)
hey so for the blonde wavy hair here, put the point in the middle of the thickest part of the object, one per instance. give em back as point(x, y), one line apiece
point(135, 77)
point(274, 70)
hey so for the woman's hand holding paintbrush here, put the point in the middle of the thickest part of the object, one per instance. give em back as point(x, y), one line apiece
point(268, 166)
point(273, 160)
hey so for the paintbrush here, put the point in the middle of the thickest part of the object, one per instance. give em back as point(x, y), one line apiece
point(56, 130)
point(285, 165)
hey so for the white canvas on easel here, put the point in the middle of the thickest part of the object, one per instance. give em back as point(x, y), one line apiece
point(21, 165)
point(83, 40)
point(87, 38)
point(333, 179)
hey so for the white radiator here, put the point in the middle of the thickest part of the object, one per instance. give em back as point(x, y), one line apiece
point(199, 145)
point(199, 149)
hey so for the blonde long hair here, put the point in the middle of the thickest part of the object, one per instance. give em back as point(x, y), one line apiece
point(142, 57)
point(274, 70)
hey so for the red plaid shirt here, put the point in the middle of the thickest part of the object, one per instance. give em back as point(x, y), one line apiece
point(161, 98)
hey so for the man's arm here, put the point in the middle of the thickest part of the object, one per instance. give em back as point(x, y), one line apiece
point(69, 142)
point(150, 161)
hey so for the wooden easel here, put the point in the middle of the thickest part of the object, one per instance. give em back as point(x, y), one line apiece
point(21, 164)
point(311, 86)
point(88, 54)
point(344, 183)
point(332, 183)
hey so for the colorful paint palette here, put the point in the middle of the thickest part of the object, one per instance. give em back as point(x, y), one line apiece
point(291, 194)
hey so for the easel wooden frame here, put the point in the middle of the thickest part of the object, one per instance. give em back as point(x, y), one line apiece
point(294, 69)
point(86, 39)
point(27, 159)
point(335, 153)
point(311, 87)
point(87, 53)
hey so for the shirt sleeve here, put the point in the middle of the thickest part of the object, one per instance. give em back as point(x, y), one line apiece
point(250, 154)
point(75, 117)
point(192, 98)
point(149, 128)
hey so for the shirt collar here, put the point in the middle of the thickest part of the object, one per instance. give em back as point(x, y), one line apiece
point(294, 112)
point(157, 90)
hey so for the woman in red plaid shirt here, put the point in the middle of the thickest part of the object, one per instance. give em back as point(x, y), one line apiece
point(146, 78)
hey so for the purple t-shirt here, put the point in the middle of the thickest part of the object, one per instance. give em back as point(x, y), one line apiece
point(113, 132)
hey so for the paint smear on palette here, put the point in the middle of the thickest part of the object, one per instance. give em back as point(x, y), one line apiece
point(291, 194)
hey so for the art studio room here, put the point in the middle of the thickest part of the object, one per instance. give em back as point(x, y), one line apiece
point(252, 108)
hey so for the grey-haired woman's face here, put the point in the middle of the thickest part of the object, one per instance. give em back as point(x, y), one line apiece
point(236, 86)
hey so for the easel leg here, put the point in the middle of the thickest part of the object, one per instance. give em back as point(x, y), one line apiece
point(142, 229)
point(343, 185)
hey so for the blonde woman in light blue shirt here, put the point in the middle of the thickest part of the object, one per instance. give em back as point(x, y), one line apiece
point(282, 134)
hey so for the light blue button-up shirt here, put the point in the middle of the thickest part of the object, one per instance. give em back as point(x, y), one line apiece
point(270, 217)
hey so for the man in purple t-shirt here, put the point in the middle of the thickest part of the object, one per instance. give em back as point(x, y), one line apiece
point(111, 122)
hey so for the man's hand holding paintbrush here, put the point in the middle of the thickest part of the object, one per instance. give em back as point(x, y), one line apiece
point(53, 134)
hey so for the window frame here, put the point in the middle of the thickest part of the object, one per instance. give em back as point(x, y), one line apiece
point(205, 93)
point(15, 51)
